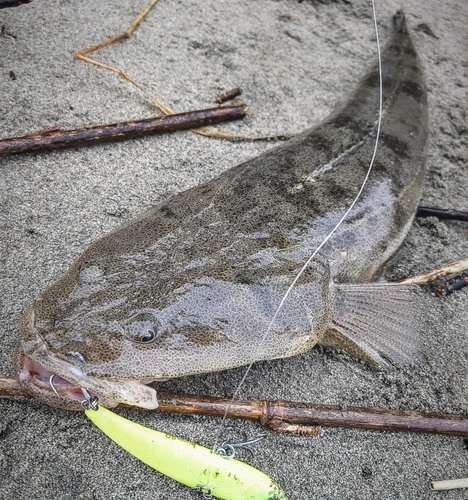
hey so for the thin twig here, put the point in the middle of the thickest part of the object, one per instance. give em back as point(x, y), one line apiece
point(227, 96)
point(81, 55)
point(119, 131)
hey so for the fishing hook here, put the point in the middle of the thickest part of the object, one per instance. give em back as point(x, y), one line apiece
point(228, 450)
point(90, 402)
point(51, 383)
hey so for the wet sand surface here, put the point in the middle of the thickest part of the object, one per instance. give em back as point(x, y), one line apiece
point(295, 61)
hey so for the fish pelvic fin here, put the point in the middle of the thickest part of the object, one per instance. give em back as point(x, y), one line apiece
point(378, 323)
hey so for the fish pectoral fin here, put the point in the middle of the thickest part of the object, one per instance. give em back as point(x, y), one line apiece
point(375, 322)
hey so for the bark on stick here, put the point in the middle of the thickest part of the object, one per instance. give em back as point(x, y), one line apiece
point(119, 131)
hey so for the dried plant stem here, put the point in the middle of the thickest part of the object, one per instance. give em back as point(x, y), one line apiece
point(166, 110)
point(82, 56)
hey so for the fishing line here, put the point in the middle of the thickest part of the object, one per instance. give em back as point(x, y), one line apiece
point(330, 234)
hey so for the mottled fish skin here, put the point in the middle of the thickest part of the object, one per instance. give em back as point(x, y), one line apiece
point(191, 285)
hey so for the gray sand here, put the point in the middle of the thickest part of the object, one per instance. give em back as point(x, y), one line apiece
point(295, 61)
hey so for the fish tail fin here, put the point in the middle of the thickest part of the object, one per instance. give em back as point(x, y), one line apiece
point(376, 322)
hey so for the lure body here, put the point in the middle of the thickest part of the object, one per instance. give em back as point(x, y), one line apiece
point(192, 285)
point(187, 463)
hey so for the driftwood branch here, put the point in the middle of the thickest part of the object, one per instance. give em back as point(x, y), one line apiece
point(12, 3)
point(119, 131)
point(294, 416)
point(298, 418)
point(9, 387)
point(442, 213)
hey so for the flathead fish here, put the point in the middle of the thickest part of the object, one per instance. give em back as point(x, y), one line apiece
point(192, 285)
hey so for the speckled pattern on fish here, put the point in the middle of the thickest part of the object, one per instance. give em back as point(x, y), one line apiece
point(191, 286)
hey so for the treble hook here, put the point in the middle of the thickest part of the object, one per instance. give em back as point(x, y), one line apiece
point(204, 490)
point(228, 449)
point(89, 403)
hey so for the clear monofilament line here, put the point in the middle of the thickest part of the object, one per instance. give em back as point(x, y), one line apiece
point(330, 234)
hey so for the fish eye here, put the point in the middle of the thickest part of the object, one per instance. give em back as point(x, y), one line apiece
point(147, 337)
point(141, 328)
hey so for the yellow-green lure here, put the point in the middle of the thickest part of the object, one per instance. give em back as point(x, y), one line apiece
point(187, 463)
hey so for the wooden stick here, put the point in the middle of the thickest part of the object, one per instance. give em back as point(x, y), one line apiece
point(442, 213)
point(453, 285)
point(12, 3)
point(119, 131)
point(296, 415)
point(298, 418)
point(227, 96)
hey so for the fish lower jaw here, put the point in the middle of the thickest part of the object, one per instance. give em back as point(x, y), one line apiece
point(58, 391)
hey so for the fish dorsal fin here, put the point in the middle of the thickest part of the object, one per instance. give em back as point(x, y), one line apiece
point(376, 322)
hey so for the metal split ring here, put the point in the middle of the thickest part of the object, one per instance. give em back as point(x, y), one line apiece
point(90, 402)
point(204, 490)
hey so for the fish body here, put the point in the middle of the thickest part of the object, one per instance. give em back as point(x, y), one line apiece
point(193, 285)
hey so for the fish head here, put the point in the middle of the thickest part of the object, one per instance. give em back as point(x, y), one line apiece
point(59, 354)
point(58, 375)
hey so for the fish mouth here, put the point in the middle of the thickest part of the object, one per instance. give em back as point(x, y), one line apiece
point(57, 390)
point(45, 380)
